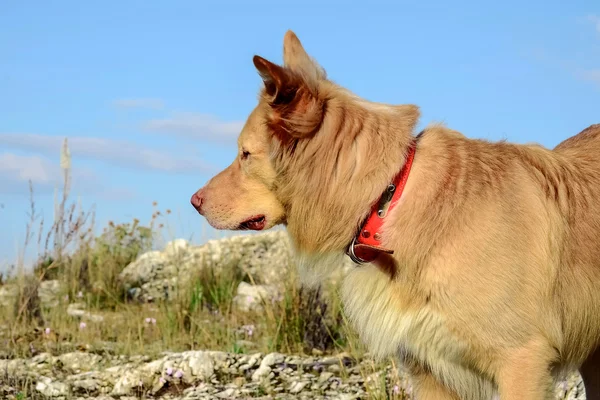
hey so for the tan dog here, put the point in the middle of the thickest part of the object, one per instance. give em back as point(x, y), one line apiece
point(494, 281)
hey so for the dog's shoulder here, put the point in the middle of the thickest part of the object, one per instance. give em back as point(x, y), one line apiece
point(439, 131)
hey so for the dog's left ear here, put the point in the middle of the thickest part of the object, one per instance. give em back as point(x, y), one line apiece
point(298, 60)
point(296, 109)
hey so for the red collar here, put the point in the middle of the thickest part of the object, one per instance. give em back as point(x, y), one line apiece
point(366, 246)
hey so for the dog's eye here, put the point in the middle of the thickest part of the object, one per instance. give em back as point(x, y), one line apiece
point(245, 154)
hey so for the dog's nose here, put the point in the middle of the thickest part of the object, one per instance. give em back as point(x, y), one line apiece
point(197, 199)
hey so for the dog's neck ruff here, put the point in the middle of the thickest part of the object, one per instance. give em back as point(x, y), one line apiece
point(366, 245)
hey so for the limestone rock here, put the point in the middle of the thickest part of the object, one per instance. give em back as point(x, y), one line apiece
point(50, 388)
point(76, 310)
point(252, 297)
point(214, 375)
point(49, 291)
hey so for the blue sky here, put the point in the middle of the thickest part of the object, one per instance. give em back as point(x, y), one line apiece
point(151, 95)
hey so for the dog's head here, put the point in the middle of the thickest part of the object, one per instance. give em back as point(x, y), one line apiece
point(301, 156)
point(244, 195)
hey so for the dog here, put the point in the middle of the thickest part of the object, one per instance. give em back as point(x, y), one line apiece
point(477, 262)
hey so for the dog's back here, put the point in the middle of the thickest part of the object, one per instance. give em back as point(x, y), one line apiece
point(585, 141)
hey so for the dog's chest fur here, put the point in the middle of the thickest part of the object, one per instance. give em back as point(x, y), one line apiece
point(390, 324)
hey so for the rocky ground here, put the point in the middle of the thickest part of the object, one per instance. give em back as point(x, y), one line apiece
point(190, 375)
point(203, 374)
point(209, 375)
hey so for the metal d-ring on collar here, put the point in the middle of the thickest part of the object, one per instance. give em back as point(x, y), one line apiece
point(353, 255)
point(381, 212)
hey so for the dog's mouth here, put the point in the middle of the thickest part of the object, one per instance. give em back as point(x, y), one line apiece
point(256, 223)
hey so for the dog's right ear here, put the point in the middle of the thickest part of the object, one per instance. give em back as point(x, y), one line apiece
point(281, 84)
point(296, 108)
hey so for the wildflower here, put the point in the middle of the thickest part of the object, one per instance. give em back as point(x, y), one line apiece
point(80, 294)
point(47, 331)
point(396, 389)
point(162, 380)
point(82, 325)
point(178, 374)
point(249, 330)
point(169, 371)
point(150, 320)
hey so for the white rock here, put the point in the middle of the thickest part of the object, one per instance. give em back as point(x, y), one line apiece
point(201, 364)
point(78, 361)
point(176, 248)
point(127, 382)
point(153, 367)
point(143, 269)
point(297, 387)
point(51, 389)
point(88, 385)
point(8, 294)
point(49, 292)
point(74, 310)
point(226, 394)
point(264, 370)
point(252, 297)
point(272, 359)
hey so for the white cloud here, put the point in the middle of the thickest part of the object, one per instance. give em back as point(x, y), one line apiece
point(196, 126)
point(17, 170)
point(592, 75)
point(119, 152)
point(25, 168)
point(150, 103)
point(595, 19)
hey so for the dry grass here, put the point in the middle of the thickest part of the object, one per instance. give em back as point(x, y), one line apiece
point(199, 315)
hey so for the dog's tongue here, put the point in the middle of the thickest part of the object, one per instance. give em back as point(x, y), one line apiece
point(256, 224)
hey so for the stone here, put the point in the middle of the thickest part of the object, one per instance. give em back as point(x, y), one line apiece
point(324, 377)
point(86, 385)
point(79, 361)
point(127, 382)
point(252, 297)
point(272, 359)
point(226, 394)
point(200, 363)
point(49, 292)
point(264, 370)
point(8, 293)
point(266, 257)
point(76, 310)
point(297, 387)
point(49, 388)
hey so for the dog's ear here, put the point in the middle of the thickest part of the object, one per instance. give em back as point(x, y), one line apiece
point(280, 83)
point(296, 108)
point(298, 60)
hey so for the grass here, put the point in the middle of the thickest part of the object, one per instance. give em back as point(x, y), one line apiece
point(198, 315)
